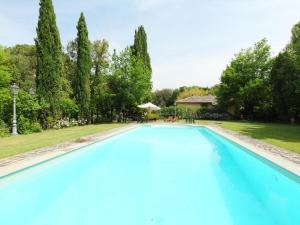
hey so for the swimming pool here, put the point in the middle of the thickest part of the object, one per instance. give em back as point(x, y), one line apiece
point(170, 175)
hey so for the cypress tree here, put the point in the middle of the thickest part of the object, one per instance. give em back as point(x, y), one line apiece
point(49, 75)
point(140, 47)
point(84, 65)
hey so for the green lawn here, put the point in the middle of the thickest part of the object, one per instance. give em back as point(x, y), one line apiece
point(282, 135)
point(10, 146)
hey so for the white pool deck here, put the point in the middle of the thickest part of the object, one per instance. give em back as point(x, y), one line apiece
point(288, 161)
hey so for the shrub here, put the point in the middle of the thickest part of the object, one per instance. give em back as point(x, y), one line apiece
point(170, 111)
point(25, 126)
point(27, 106)
point(61, 124)
point(4, 130)
point(64, 123)
point(73, 123)
point(82, 122)
point(212, 113)
point(153, 116)
point(49, 122)
point(36, 127)
point(69, 108)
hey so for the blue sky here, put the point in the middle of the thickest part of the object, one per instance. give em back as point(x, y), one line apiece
point(190, 41)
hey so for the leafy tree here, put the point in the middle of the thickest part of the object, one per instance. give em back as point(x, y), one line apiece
point(140, 81)
point(28, 110)
point(294, 49)
point(120, 80)
point(192, 91)
point(84, 65)
point(50, 73)
point(5, 72)
point(244, 87)
point(100, 56)
point(294, 45)
point(101, 102)
point(128, 82)
point(163, 97)
point(285, 81)
point(70, 62)
point(69, 108)
point(23, 65)
point(5, 92)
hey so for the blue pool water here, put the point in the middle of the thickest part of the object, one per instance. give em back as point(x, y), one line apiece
point(153, 175)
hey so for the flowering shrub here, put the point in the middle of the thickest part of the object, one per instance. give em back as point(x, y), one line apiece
point(65, 122)
point(82, 122)
point(212, 113)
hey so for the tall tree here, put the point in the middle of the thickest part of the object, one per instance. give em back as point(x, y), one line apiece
point(141, 63)
point(140, 46)
point(50, 72)
point(84, 66)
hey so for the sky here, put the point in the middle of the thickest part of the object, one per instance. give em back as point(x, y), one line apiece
point(190, 41)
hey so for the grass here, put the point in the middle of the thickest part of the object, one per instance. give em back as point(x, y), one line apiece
point(14, 145)
point(283, 135)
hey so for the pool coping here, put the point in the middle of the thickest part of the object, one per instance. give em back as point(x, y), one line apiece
point(29, 159)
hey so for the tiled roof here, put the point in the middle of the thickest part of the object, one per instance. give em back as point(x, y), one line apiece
point(198, 99)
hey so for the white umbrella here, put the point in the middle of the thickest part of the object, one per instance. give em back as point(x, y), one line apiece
point(149, 106)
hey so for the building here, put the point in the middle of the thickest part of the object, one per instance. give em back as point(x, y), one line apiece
point(197, 101)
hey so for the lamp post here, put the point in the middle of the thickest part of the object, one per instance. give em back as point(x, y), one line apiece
point(15, 89)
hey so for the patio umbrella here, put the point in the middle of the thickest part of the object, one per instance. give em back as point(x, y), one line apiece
point(149, 106)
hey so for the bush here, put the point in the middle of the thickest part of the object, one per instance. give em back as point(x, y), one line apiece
point(27, 106)
point(170, 111)
point(69, 108)
point(4, 130)
point(25, 126)
point(64, 123)
point(153, 116)
point(36, 127)
point(212, 113)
